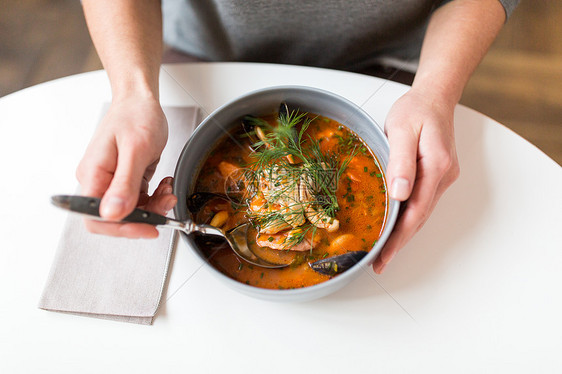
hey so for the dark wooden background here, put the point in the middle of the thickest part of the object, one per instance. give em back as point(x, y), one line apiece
point(519, 83)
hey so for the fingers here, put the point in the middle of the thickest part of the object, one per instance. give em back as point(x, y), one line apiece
point(422, 165)
point(123, 193)
point(161, 202)
point(164, 187)
point(95, 171)
point(126, 230)
point(416, 213)
point(401, 170)
point(430, 185)
point(120, 160)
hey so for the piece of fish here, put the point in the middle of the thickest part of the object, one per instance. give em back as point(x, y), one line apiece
point(316, 215)
point(282, 241)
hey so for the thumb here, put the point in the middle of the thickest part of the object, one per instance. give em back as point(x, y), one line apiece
point(123, 193)
point(401, 170)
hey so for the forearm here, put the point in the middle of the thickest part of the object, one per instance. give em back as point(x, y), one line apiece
point(128, 37)
point(458, 36)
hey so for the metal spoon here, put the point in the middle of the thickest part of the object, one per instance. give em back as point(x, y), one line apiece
point(236, 237)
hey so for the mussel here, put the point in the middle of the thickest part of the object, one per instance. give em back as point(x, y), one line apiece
point(254, 127)
point(337, 264)
point(283, 110)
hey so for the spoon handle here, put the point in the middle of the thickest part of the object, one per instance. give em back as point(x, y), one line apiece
point(90, 206)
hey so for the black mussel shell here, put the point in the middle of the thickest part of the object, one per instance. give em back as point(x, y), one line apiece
point(283, 109)
point(337, 264)
point(249, 126)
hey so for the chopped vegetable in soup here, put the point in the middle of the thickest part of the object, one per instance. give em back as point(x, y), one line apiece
point(310, 188)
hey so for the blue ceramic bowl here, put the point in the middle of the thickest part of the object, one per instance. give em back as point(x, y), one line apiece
point(262, 102)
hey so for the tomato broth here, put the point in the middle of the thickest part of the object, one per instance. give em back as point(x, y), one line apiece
point(361, 207)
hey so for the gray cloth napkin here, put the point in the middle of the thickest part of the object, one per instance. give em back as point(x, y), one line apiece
point(116, 278)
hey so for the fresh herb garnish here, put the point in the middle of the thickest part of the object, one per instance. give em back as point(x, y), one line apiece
point(287, 161)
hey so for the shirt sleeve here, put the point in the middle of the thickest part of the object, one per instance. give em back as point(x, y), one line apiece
point(508, 5)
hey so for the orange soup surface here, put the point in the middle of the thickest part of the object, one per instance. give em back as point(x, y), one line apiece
point(359, 212)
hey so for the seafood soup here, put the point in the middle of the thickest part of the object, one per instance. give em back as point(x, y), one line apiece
point(312, 190)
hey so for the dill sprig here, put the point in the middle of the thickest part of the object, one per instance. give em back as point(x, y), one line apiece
point(285, 159)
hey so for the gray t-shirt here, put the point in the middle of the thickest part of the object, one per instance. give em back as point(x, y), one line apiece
point(341, 34)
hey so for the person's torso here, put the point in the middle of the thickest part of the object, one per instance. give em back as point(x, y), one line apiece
point(330, 33)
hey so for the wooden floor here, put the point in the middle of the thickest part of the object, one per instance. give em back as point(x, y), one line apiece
point(519, 83)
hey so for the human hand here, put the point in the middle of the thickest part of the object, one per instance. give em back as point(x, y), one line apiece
point(423, 163)
point(119, 162)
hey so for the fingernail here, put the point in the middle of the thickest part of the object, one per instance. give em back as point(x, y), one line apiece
point(167, 190)
point(390, 258)
point(169, 205)
point(112, 206)
point(400, 189)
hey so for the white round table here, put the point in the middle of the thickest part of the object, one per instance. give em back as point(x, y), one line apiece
point(479, 289)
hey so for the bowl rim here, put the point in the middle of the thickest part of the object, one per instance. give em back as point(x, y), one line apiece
point(322, 288)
